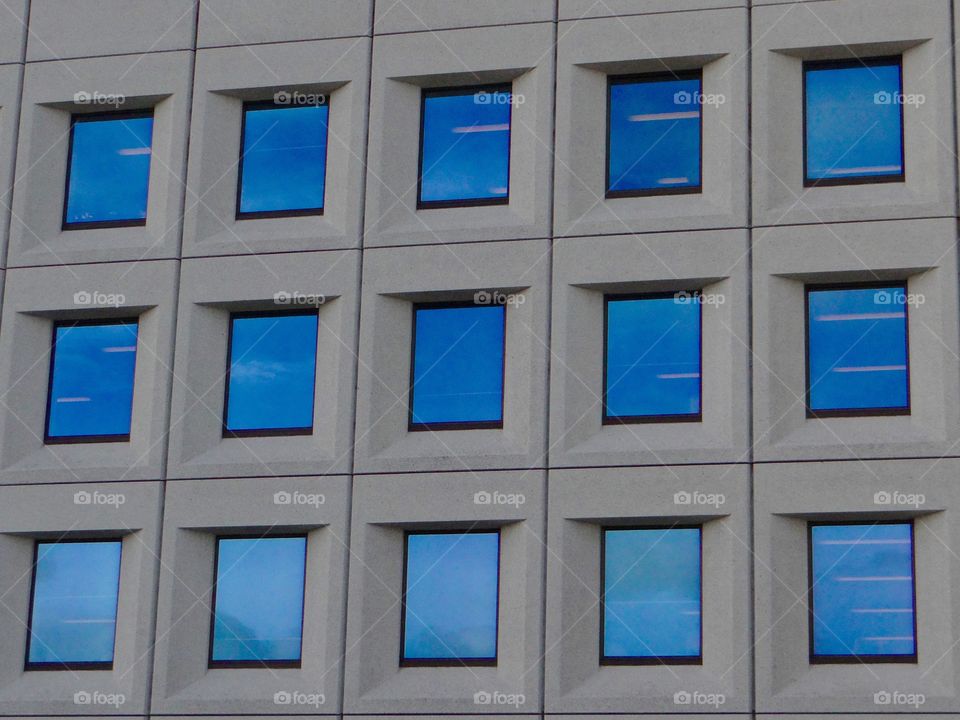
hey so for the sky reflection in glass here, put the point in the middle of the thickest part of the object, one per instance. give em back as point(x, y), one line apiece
point(854, 121)
point(857, 349)
point(654, 142)
point(272, 372)
point(259, 599)
point(451, 596)
point(74, 613)
point(863, 590)
point(651, 593)
point(91, 389)
point(109, 170)
point(465, 148)
point(284, 159)
point(653, 357)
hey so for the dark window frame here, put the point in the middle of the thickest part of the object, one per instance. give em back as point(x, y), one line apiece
point(427, 93)
point(606, 418)
point(634, 79)
point(267, 214)
point(247, 664)
point(99, 117)
point(29, 666)
point(875, 61)
point(226, 432)
point(79, 439)
point(449, 662)
point(854, 659)
point(468, 425)
point(614, 660)
point(900, 285)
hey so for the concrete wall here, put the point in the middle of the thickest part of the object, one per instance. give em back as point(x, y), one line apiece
point(754, 236)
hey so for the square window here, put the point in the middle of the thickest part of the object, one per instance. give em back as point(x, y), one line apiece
point(109, 170)
point(654, 134)
point(258, 601)
point(651, 596)
point(272, 367)
point(465, 147)
point(451, 591)
point(862, 594)
point(283, 160)
point(458, 365)
point(853, 121)
point(857, 351)
point(73, 605)
point(652, 358)
point(92, 367)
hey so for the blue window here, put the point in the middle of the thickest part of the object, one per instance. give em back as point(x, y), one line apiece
point(458, 356)
point(654, 141)
point(465, 147)
point(284, 161)
point(450, 598)
point(853, 116)
point(91, 381)
point(862, 592)
point(651, 596)
point(258, 601)
point(73, 611)
point(271, 374)
point(109, 170)
point(652, 358)
point(857, 356)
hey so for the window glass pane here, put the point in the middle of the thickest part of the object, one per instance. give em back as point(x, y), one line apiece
point(259, 599)
point(653, 357)
point(458, 365)
point(853, 118)
point(654, 139)
point(465, 150)
point(91, 389)
point(858, 349)
point(74, 613)
point(863, 590)
point(272, 372)
point(450, 598)
point(109, 170)
point(284, 158)
point(651, 593)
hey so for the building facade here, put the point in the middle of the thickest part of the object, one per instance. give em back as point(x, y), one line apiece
point(529, 358)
